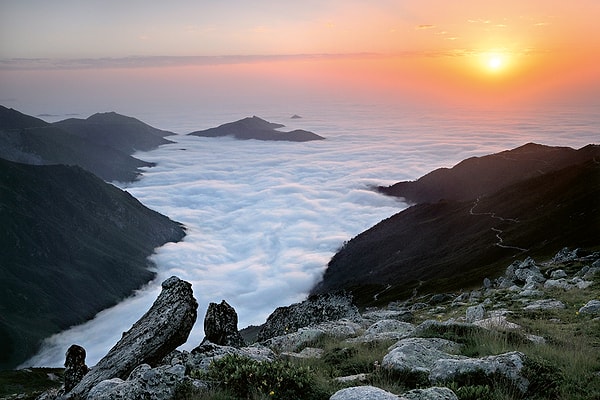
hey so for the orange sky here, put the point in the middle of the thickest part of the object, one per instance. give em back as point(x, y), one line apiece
point(465, 51)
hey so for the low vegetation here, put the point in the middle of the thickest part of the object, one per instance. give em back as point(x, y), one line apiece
point(565, 366)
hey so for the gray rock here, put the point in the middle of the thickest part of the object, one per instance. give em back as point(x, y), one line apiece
point(390, 326)
point(529, 272)
point(558, 284)
point(418, 355)
point(373, 316)
point(545, 304)
point(220, 325)
point(75, 367)
point(507, 365)
point(201, 357)
point(144, 382)
point(557, 274)
point(362, 393)
point(164, 327)
point(352, 378)
point(565, 255)
point(340, 329)
point(475, 313)
point(487, 283)
point(294, 341)
point(306, 353)
point(315, 310)
point(432, 393)
point(591, 307)
point(591, 273)
point(497, 323)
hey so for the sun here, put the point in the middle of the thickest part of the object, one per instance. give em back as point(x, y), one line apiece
point(495, 62)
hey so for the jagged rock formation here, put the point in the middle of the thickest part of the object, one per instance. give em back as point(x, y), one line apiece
point(220, 325)
point(72, 245)
point(453, 244)
point(102, 144)
point(75, 367)
point(317, 309)
point(259, 129)
point(157, 333)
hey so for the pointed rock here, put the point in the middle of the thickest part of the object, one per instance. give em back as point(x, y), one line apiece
point(164, 327)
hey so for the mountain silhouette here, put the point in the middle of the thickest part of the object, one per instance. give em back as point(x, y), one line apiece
point(72, 245)
point(454, 244)
point(259, 129)
point(101, 144)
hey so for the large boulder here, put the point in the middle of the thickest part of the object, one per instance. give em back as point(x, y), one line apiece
point(144, 382)
point(507, 366)
point(363, 392)
point(315, 310)
point(164, 327)
point(418, 355)
point(220, 325)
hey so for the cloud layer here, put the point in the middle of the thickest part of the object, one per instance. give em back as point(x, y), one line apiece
point(264, 218)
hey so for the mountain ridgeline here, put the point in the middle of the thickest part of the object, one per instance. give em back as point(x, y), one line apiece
point(258, 129)
point(470, 221)
point(72, 245)
point(102, 144)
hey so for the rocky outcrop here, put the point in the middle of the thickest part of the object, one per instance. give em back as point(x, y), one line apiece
point(75, 367)
point(317, 309)
point(144, 382)
point(163, 328)
point(220, 325)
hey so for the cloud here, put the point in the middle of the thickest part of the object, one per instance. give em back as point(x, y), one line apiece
point(425, 26)
point(264, 218)
point(161, 61)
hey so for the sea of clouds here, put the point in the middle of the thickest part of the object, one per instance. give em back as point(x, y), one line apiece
point(264, 218)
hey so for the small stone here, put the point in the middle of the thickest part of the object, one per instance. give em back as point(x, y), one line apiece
point(591, 307)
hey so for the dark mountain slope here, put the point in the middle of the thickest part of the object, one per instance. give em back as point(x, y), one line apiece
point(259, 129)
point(120, 132)
point(72, 245)
point(479, 176)
point(452, 245)
point(93, 147)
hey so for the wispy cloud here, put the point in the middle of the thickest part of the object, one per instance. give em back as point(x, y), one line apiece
point(159, 61)
point(425, 26)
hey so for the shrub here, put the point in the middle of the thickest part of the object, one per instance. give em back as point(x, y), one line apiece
point(247, 378)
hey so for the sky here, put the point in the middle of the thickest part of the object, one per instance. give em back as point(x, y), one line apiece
point(464, 51)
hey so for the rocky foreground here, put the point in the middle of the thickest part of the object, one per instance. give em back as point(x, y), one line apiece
point(428, 337)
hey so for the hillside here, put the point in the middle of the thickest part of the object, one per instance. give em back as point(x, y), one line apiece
point(480, 176)
point(259, 129)
point(451, 245)
point(117, 131)
point(72, 245)
point(102, 144)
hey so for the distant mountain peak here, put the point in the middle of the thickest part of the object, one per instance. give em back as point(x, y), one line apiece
point(257, 128)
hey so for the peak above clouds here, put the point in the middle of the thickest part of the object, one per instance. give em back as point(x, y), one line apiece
point(257, 128)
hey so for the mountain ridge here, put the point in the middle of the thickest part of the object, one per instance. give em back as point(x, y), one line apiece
point(72, 246)
point(452, 244)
